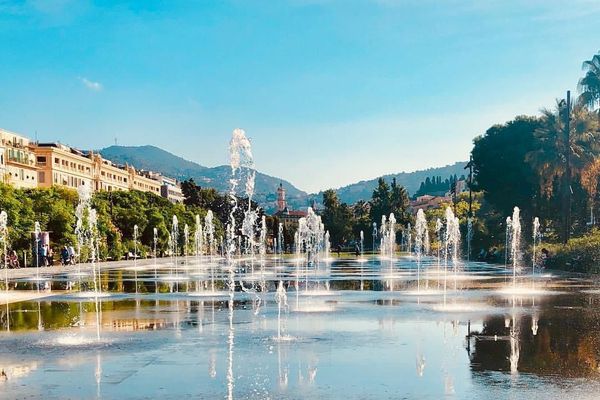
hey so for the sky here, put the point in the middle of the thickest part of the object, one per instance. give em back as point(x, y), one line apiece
point(329, 91)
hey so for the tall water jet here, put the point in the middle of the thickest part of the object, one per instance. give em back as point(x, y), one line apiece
point(452, 238)
point(507, 241)
point(136, 233)
point(282, 304)
point(515, 243)
point(374, 235)
point(209, 239)
point(37, 232)
point(186, 241)
point(155, 242)
point(537, 238)
point(174, 249)
point(388, 236)
point(280, 243)
point(421, 242)
point(469, 237)
point(87, 233)
point(327, 246)
point(242, 168)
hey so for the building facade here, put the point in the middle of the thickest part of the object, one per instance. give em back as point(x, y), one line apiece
point(20, 168)
point(171, 190)
point(25, 164)
point(62, 165)
point(143, 181)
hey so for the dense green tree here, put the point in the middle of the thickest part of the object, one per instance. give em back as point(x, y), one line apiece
point(499, 165)
point(337, 218)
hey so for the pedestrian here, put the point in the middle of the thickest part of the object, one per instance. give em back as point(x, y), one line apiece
point(49, 257)
point(43, 255)
point(64, 256)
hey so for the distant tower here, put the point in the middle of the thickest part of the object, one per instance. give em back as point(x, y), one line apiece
point(281, 203)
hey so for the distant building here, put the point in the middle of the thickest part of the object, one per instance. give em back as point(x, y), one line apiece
point(171, 190)
point(62, 165)
point(107, 176)
point(428, 202)
point(20, 168)
point(144, 181)
point(281, 202)
point(25, 164)
point(289, 218)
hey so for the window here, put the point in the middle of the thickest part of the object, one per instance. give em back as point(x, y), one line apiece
point(42, 177)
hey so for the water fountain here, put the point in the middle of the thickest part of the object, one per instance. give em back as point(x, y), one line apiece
point(242, 169)
point(374, 235)
point(281, 300)
point(136, 233)
point(87, 234)
point(209, 239)
point(174, 249)
point(515, 243)
point(280, 243)
point(507, 241)
point(155, 243)
point(469, 237)
point(37, 231)
point(421, 242)
point(388, 237)
point(537, 239)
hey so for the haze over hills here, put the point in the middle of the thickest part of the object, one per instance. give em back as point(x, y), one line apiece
point(159, 160)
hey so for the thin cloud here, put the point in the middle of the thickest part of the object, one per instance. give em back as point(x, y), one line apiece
point(94, 86)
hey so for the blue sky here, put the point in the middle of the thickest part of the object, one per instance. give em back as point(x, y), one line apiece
point(330, 91)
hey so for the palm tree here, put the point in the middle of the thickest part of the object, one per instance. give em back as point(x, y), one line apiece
point(550, 159)
point(589, 85)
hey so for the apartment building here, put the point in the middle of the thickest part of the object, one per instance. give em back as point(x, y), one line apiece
point(20, 168)
point(143, 181)
point(171, 190)
point(108, 176)
point(62, 165)
point(26, 164)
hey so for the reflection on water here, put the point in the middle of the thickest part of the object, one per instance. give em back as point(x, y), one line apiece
point(355, 330)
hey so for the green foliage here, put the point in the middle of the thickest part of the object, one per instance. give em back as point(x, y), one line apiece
point(118, 212)
point(580, 254)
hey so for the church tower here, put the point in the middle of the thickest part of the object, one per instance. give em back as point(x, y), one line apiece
point(281, 203)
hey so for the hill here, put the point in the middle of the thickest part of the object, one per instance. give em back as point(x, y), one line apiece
point(159, 160)
point(410, 180)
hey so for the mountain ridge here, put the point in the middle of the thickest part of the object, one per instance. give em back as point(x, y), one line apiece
point(154, 158)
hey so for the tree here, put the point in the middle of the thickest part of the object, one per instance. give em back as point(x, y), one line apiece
point(589, 85)
point(337, 218)
point(499, 166)
point(549, 158)
point(380, 201)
